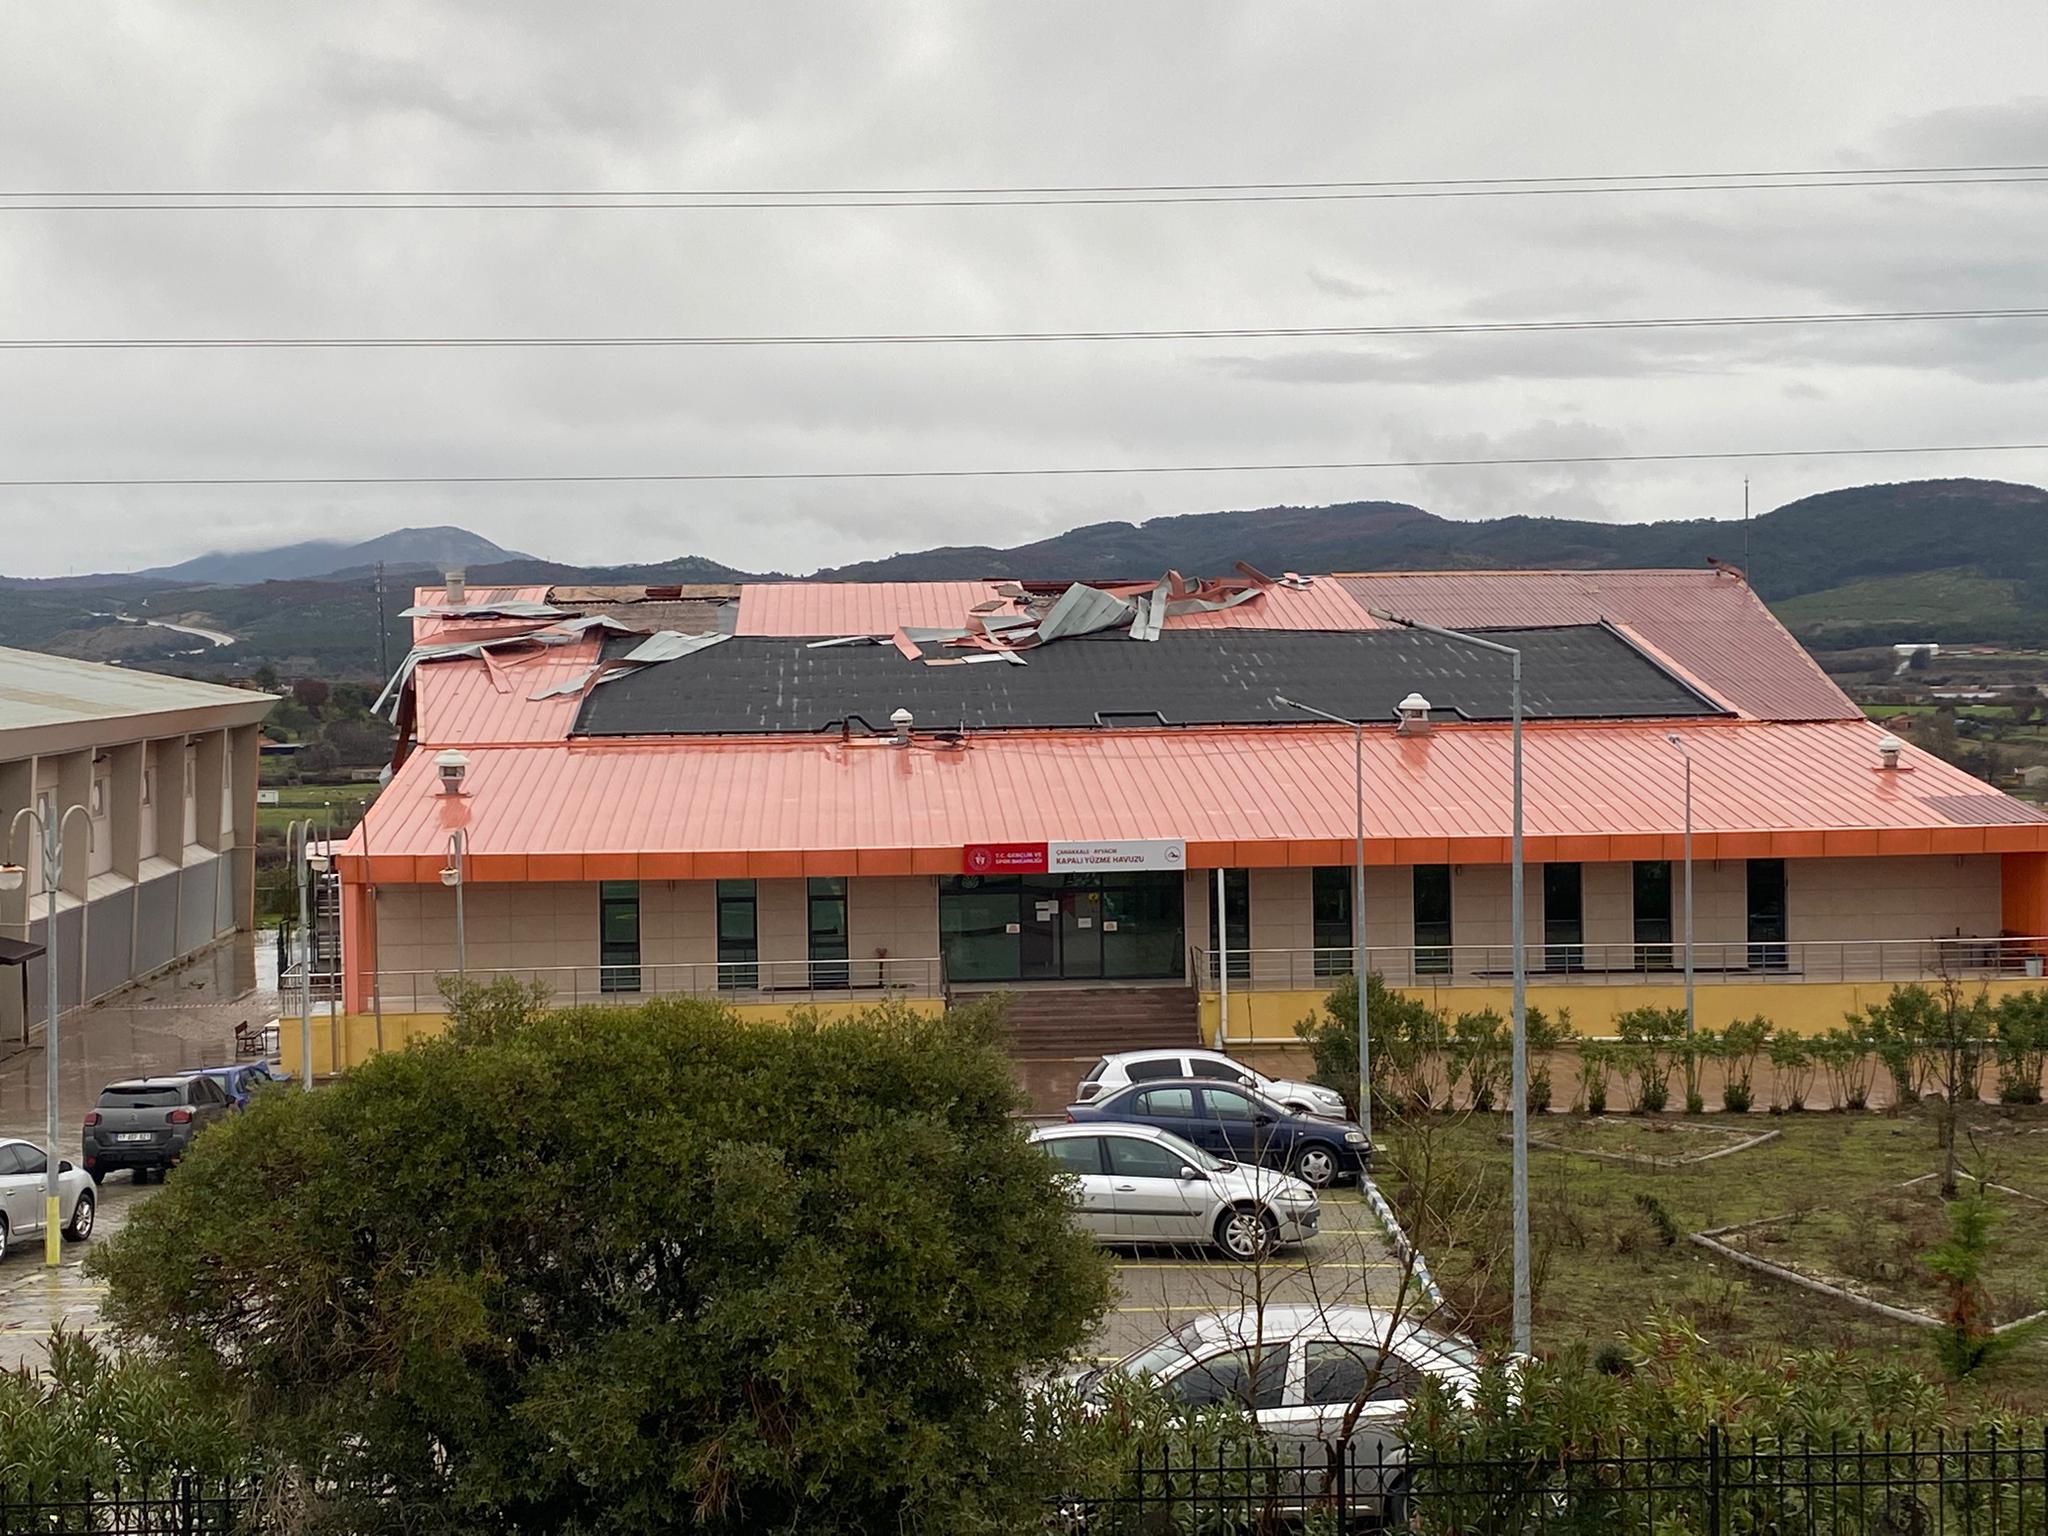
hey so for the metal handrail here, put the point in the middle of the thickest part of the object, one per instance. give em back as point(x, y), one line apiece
point(765, 981)
point(1715, 962)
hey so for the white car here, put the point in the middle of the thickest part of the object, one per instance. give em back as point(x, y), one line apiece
point(22, 1171)
point(1139, 1184)
point(1113, 1072)
point(1302, 1368)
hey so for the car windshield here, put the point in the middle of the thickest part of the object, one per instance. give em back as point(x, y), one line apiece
point(139, 1098)
point(1195, 1156)
point(1158, 1358)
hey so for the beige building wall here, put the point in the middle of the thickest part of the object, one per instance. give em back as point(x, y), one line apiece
point(540, 932)
point(896, 917)
point(1894, 898)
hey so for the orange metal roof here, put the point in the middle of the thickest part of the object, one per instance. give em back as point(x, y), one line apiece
point(625, 810)
point(1323, 604)
point(826, 608)
point(1709, 625)
point(429, 630)
point(471, 702)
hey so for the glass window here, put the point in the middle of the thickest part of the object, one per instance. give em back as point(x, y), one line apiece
point(1076, 1154)
point(1131, 1157)
point(1336, 1372)
point(1651, 888)
point(1222, 1071)
point(1238, 1377)
point(1224, 1104)
point(30, 1160)
point(1143, 925)
point(980, 927)
point(1167, 1103)
point(10, 1160)
point(1237, 907)
point(139, 1098)
point(1564, 921)
point(618, 935)
point(1154, 1067)
point(826, 897)
point(1767, 914)
point(1433, 918)
point(1331, 890)
point(739, 950)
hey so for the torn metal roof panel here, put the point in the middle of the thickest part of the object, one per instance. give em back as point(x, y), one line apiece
point(817, 609)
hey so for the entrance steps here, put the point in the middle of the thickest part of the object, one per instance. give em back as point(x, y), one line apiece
point(1086, 1022)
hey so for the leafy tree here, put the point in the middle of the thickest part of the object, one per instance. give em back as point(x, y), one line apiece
point(1410, 1042)
point(1481, 1044)
point(1905, 1032)
point(1844, 1054)
point(1792, 1072)
point(633, 1271)
point(1647, 1036)
point(310, 694)
point(1542, 1036)
point(1967, 1339)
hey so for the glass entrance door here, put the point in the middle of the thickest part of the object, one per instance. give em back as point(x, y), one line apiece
point(1081, 929)
point(1126, 925)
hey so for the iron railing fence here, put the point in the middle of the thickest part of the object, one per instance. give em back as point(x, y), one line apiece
point(1719, 1485)
point(181, 1506)
point(1602, 964)
point(770, 981)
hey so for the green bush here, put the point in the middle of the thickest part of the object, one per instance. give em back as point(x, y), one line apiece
point(1844, 1053)
point(1542, 1036)
point(1742, 1042)
point(633, 1270)
point(1480, 1053)
point(1647, 1037)
point(1410, 1042)
point(2021, 1024)
point(1596, 1060)
point(1792, 1066)
point(1905, 1032)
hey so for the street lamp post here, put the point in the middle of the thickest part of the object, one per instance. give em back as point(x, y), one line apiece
point(12, 877)
point(1358, 955)
point(298, 842)
point(451, 874)
point(1672, 737)
point(1524, 1335)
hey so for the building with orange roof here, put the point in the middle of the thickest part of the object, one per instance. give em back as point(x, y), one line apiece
point(815, 794)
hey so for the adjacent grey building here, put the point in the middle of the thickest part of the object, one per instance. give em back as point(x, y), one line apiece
point(162, 863)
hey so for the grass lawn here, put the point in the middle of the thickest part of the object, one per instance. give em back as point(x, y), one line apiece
point(340, 804)
point(1649, 1138)
point(1601, 1260)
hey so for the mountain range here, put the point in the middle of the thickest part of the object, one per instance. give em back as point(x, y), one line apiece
point(1929, 559)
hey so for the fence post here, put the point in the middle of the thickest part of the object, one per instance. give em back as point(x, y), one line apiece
point(1713, 1480)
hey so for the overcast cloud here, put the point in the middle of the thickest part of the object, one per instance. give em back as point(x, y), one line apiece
point(492, 94)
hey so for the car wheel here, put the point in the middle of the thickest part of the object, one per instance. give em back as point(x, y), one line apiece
point(1394, 1505)
point(81, 1217)
point(3, 1237)
point(1245, 1234)
point(1316, 1164)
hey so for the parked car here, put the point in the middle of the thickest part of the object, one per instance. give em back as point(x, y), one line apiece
point(1301, 1368)
point(241, 1079)
point(24, 1171)
point(1239, 1126)
point(1113, 1072)
point(148, 1123)
point(1139, 1184)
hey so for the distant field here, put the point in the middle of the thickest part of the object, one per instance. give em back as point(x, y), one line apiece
point(1948, 598)
point(340, 804)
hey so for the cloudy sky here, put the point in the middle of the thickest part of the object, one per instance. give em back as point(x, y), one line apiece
point(497, 95)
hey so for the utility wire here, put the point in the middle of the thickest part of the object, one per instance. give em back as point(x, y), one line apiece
point(773, 202)
point(1850, 175)
point(704, 476)
point(1222, 333)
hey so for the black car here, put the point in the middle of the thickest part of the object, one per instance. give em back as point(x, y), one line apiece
point(1239, 1125)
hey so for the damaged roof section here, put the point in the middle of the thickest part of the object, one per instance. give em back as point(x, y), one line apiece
point(761, 685)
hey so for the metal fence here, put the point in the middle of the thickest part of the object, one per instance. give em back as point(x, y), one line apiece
point(180, 1507)
point(1966, 1485)
point(741, 981)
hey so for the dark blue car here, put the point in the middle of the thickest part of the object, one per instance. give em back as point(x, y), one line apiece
point(241, 1079)
point(1239, 1126)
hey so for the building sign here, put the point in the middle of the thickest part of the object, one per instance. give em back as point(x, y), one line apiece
point(1073, 858)
point(266, 797)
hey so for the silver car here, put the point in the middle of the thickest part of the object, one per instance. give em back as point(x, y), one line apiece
point(23, 1202)
point(1139, 1184)
point(1302, 1369)
point(1113, 1072)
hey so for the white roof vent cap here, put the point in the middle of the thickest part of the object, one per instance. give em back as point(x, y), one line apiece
point(1414, 713)
point(1888, 749)
point(901, 720)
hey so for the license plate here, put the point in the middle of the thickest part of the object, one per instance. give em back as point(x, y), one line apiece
point(136, 1136)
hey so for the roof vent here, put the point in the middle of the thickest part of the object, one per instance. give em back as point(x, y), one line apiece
point(1888, 749)
point(1414, 713)
point(453, 767)
point(901, 720)
point(458, 586)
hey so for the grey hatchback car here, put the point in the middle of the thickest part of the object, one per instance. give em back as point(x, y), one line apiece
point(148, 1123)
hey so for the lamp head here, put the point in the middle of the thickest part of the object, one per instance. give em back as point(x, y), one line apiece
point(451, 876)
point(12, 877)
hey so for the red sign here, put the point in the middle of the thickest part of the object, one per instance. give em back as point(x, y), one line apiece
point(1003, 858)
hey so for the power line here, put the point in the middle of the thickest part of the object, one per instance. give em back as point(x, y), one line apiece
point(761, 202)
point(1219, 333)
point(739, 476)
point(1849, 174)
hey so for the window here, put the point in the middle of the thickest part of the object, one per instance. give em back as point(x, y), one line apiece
point(1132, 1158)
point(1222, 1071)
point(826, 898)
point(10, 1160)
point(1237, 909)
point(739, 949)
point(1076, 1154)
point(618, 935)
point(139, 1096)
point(1235, 1378)
point(149, 786)
point(206, 1092)
point(1335, 1372)
point(1167, 1103)
point(1153, 1067)
point(1226, 1104)
point(29, 1160)
point(1331, 890)
point(1767, 915)
point(1564, 918)
point(1433, 918)
point(1652, 891)
point(98, 804)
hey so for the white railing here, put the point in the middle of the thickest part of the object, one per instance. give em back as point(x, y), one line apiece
point(752, 981)
point(1476, 965)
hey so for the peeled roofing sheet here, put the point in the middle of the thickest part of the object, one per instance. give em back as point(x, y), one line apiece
point(431, 629)
point(816, 609)
point(1213, 785)
point(1711, 626)
point(467, 703)
point(1323, 604)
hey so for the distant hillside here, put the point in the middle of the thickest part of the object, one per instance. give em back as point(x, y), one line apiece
point(1945, 560)
point(403, 549)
